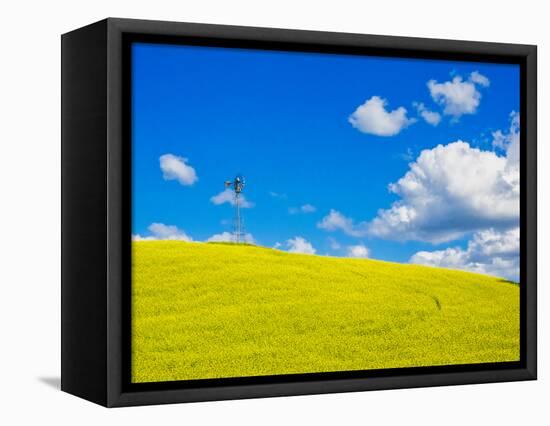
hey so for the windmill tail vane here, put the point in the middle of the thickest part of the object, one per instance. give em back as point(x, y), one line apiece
point(237, 186)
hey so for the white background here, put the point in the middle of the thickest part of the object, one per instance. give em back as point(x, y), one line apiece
point(30, 211)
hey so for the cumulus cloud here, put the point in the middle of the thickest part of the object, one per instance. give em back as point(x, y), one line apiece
point(228, 237)
point(300, 245)
point(454, 190)
point(306, 208)
point(489, 252)
point(449, 191)
point(176, 168)
point(358, 250)
point(228, 196)
point(160, 231)
point(458, 96)
point(480, 79)
point(372, 117)
point(430, 117)
point(509, 141)
point(336, 221)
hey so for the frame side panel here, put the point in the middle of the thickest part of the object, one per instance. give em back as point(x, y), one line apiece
point(83, 212)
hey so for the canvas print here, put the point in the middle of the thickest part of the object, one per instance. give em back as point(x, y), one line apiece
point(298, 212)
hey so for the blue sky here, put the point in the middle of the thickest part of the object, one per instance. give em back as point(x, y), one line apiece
point(331, 132)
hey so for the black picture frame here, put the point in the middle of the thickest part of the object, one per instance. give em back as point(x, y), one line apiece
point(96, 209)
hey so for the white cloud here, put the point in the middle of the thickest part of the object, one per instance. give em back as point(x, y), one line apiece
point(277, 195)
point(480, 79)
point(336, 221)
point(453, 190)
point(509, 141)
point(306, 208)
point(372, 117)
point(160, 231)
point(449, 191)
point(431, 117)
point(300, 245)
point(228, 237)
point(277, 245)
point(489, 252)
point(175, 168)
point(358, 251)
point(228, 196)
point(458, 97)
point(138, 237)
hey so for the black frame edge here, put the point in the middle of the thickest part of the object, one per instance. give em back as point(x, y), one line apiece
point(530, 167)
point(327, 38)
point(316, 387)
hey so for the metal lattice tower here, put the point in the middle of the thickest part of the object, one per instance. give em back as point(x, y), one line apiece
point(237, 185)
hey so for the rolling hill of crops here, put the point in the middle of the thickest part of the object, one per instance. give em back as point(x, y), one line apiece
point(207, 310)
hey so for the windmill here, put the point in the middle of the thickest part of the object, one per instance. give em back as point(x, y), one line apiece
point(237, 186)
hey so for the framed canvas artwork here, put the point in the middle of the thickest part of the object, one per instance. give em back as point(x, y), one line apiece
point(253, 212)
